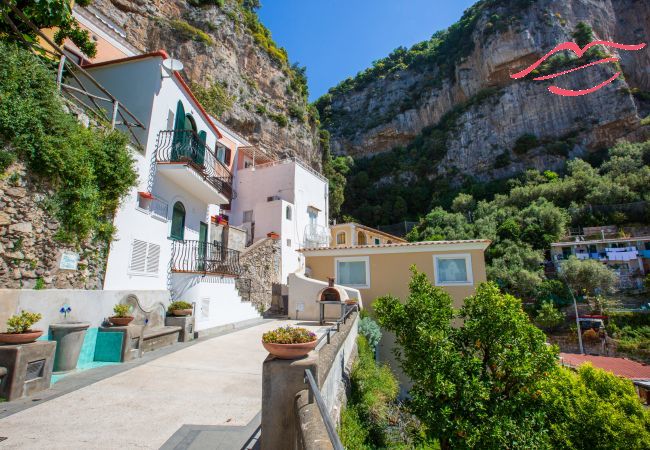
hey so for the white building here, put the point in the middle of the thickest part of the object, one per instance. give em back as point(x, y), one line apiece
point(285, 197)
point(184, 175)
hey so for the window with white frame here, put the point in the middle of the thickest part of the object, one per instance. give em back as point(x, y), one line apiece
point(453, 270)
point(145, 258)
point(353, 271)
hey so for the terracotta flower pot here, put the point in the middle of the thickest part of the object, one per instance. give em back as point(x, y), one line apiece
point(289, 351)
point(182, 312)
point(273, 235)
point(20, 338)
point(120, 321)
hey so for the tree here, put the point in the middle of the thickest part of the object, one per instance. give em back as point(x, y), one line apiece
point(548, 316)
point(593, 409)
point(588, 277)
point(49, 14)
point(474, 385)
point(583, 34)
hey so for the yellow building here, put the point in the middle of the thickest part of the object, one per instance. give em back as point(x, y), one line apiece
point(346, 234)
point(458, 267)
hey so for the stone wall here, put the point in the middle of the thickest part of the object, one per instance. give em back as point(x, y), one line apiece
point(29, 252)
point(261, 270)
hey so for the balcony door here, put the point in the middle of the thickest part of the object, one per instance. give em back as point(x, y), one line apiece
point(186, 145)
point(203, 246)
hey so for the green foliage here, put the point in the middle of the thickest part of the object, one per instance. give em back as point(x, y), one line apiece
point(369, 329)
point(548, 316)
point(49, 14)
point(288, 335)
point(593, 409)
point(279, 118)
point(22, 323)
point(473, 384)
point(214, 98)
point(335, 170)
point(90, 169)
point(589, 277)
point(524, 143)
point(373, 389)
point(188, 31)
point(624, 319)
point(40, 284)
point(178, 304)
point(219, 3)
point(634, 341)
point(122, 310)
point(583, 34)
point(7, 158)
point(297, 112)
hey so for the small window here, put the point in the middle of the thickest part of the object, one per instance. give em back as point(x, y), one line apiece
point(361, 238)
point(453, 270)
point(340, 238)
point(178, 222)
point(288, 242)
point(353, 271)
point(221, 153)
point(145, 258)
point(377, 241)
point(248, 216)
point(287, 213)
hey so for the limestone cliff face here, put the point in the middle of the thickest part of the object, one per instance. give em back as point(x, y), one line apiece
point(488, 129)
point(228, 54)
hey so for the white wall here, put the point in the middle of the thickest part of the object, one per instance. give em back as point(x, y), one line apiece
point(217, 300)
point(297, 188)
point(303, 290)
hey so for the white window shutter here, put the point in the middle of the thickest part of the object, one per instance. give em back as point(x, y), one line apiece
point(153, 258)
point(138, 256)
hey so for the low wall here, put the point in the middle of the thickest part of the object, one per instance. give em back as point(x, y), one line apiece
point(303, 292)
point(87, 305)
point(285, 398)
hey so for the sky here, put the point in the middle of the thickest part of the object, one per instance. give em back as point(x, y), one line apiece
point(335, 39)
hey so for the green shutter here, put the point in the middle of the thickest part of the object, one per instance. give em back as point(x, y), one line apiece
point(178, 222)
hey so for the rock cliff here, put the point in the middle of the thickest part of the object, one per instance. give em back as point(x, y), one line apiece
point(501, 37)
point(217, 46)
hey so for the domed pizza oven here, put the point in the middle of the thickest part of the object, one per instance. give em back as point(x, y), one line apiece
point(332, 293)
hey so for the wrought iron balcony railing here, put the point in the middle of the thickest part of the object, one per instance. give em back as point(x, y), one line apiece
point(203, 257)
point(185, 146)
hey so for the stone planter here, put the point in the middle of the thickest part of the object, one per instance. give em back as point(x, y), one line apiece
point(69, 337)
point(289, 351)
point(182, 312)
point(20, 338)
point(120, 321)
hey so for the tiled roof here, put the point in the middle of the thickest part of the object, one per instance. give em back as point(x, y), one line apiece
point(400, 244)
point(622, 367)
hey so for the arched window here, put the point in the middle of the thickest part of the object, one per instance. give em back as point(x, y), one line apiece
point(340, 238)
point(288, 213)
point(361, 238)
point(178, 222)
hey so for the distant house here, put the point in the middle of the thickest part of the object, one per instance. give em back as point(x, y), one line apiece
point(627, 252)
point(458, 267)
point(346, 234)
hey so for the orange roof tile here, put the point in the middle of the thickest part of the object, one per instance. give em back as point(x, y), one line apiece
point(622, 367)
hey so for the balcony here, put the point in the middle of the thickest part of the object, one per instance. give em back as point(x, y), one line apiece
point(184, 158)
point(204, 258)
point(316, 236)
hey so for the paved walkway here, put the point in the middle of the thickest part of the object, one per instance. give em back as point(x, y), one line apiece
point(205, 395)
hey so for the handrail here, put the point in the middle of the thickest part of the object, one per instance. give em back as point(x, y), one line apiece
point(337, 324)
point(185, 146)
point(329, 426)
point(203, 257)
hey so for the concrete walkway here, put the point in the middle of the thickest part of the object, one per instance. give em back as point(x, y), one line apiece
point(215, 383)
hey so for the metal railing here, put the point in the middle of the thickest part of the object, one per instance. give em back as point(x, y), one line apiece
point(289, 160)
point(185, 146)
point(314, 393)
point(203, 257)
point(316, 236)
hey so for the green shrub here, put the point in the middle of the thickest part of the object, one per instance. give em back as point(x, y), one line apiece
point(22, 323)
point(40, 284)
point(548, 316)
point(503, 160)
point(7, 158)
point(279, 118)
point(297, 112)
point(524, 143)
point(214, 98)
point(90, 169)
point(122, 310)
point(369, 329)
point(188, 31)
point(179, 304)
point(288, 335)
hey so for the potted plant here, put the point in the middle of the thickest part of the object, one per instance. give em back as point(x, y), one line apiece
point(289, 342)
point(273, 235)
point(19, 329)
point(180, 308)
point(121, 317)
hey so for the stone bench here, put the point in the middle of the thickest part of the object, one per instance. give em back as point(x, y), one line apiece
point(155, 334)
